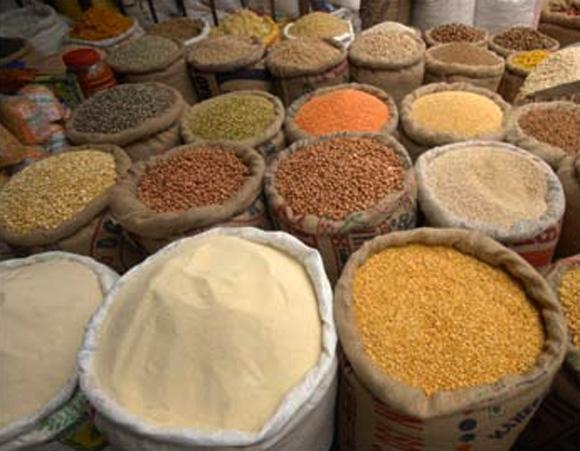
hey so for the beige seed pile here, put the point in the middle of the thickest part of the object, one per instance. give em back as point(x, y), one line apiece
point(304, 53)
point(222, 49)
point(319, 24)
point(569, 293)
point(51, 191)
point(561, 68)
point(147, 51)
point(439, 320)
point(387, 46)
point(492, 186)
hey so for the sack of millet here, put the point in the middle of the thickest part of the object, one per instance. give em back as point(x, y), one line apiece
point(450, 341)
point(337, 191)
point(303, 65)
point(497, 189)
point(443, 113)
point(456, 32)
point(350, 107)
point(560, 20)
point(142, 118)
point(569, 174)
point(550, 130)
point(188, 190)
point(391, 61)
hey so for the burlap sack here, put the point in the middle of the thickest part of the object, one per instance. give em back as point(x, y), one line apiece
point(535, 241)
point(512, 80)
point(562, 27)
point(431, 41)
point(516, 135)
point(336, 240)
point(377, 412)
point(246, 72)
point(505, 52)
point(268, 143)
point(292, 81)
point(486, 76)
point(417, 139)
point(295, 133)
point(153, 136)
point(395, 78)
point(153, 230)
point(569, 175)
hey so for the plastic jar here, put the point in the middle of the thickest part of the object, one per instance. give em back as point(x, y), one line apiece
point(92, 73)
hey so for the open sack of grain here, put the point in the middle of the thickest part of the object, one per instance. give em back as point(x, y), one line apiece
point(569, 175)
point(319, 24)
point(450, 341)
point(142, 118)
point(456, 32)
point(187, 30)
point(521, 38)
point(560, 20)
point(251, 360)
point(337, 191)
point(55, 293)
point(518, 66)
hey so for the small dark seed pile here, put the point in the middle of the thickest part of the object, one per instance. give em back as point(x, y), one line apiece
point(454, 32)
point(553, 126)
point(523, 38)
point(338, 177)
point(194, 178)
point(122, 107)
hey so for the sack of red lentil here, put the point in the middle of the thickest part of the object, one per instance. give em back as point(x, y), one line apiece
point(249, 118)
point(443, 113)
point(569, 174)
point(391, 61)
point(450, 341)
point(188, 190)
point(518, 66)
point(228, 63)
point(456, 32)
point(496, 189)
point(142, 118)
point(520, 38)
point(550, 130)
point(299, 66)
point(555, 423)
point(153, 58)
point(560, 20)
point(337, 191)
point(350, 107)
point(463, 62)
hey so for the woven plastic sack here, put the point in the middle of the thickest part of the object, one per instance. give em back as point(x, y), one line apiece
point(569, 174)
point(535, 241)
point(431, 41)
point(337, 240)
point(377, 411)
point(24, 119)
point(304, 420)
point(374, 12)
point(430, 13)
point(68, 408)
point(554, 22)
point(505, 52)
point(495, 15)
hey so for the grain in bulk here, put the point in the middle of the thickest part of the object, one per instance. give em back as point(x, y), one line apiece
point(56, 294)
point(560, 19)
point(479, 295)
point(391, 61)
point(497, 189)
point(245, 22)
point(520, 38)
point(337, 191)
point(518, 66)
point(184, 29)
point(319, 24)
point(143, 118)
point(299, 66)
point(272, 390)
point(456, 32)
point(569, 175)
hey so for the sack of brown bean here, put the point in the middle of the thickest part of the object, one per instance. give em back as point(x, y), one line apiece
point(443, 113)
point(521, 38)
point(142, 118)
point(456, 32)
point(430, 13)
point(556, 422)
point(550, 130)
point(61, 203)
point(249, 118)
point(153, 58)
point(518, 66)
point(451, 341)
point(351, 107)
point(391, 61)
point(228, 63)
point(463, 62)
point(188, 190)
point(496, 189)
point(299, 66)
point(337, 191)
point(569, 174)
point(560, 20)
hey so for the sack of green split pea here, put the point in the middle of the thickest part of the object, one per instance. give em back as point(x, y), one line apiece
point(55, 293)
point(268, 380)
point(450, 341)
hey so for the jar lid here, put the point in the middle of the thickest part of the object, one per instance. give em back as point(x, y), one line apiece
point(81, 57)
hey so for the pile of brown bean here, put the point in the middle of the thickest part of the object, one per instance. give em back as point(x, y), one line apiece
point(221, 49)
point(334, 178)
point(454, 32)
point(555, 127)
point(464, 53)
point(523, 38)
point(191, 179)
point(303, 53)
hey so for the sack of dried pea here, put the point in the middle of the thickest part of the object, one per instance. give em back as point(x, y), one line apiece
point(450, 341)
point(560, 20)
point(569, 174)
point(190, 189)
point(518, 66)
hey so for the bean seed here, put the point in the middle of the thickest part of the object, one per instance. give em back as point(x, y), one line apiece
point(569, 293)
point(457, 32)
point(556, 127)
point(386, 46)
point(523, 38)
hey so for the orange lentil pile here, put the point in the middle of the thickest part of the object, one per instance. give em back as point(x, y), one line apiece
point(334, 178)
point(343, 110)
point(98, 23)
point(194, 178)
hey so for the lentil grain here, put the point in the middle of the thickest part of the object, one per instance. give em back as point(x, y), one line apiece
point(569, 293)
point(305, 53)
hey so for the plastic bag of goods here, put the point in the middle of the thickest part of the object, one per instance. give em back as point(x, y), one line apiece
point(495, 15)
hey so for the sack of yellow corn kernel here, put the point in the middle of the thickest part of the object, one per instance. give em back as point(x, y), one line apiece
point(556, 422)
point(569, 174)
point(518, 65)
point(188, 190)
point(437, 354)
point(560, 20)
point(61, 203)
